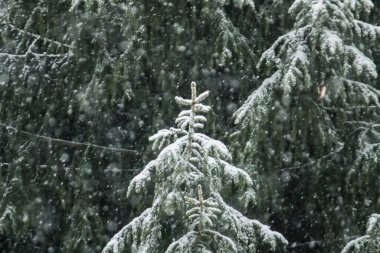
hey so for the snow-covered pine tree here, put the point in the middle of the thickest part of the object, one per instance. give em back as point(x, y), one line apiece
point(302, 122)
point(188, 159)
point(369, 243)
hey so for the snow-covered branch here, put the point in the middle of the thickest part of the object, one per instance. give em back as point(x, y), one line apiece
point(368, 243)
point(36, 36)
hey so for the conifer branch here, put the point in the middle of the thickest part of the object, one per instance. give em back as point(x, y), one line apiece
point(72, 144)
point(319, 242)
point(36, 36)
point(24, 56)
point(329, 155)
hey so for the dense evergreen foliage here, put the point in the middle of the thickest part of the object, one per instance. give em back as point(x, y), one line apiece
point(84, 83)
point(58, 196)
point(316, 120)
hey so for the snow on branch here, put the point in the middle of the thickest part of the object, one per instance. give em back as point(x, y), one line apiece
point(165, 136)
point(253, 234)
point(36, 36)
point(211, 147)
point(171, 154)
point(362, 65)
point(356, 245)
point(75, 4)
point(204, 213)
point(235, 179)
point(364, 29)
point(118, 241)
point(373, 225)
point(202, 217)
point(332, 36)
point(368, 243)
point(37, 55)
point(230, 39)
point(8, 220)
point(360, 5)
point(256, 104)
point(185, 244)
point(142, 181)
point(332, 43)
point(367, 93)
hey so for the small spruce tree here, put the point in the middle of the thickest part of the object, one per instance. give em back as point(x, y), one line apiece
point(188, 159)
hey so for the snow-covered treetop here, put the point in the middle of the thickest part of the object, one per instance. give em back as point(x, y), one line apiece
point(324, 31)
point(193, 164)
point(200, 157)
point(369, 243)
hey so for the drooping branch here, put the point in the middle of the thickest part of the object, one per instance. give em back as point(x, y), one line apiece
point(323, 158)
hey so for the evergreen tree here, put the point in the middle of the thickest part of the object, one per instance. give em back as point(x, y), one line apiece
point(310, 129)
point(53, 184)
point(165, 43)
point(370, 243)
point(187, 159)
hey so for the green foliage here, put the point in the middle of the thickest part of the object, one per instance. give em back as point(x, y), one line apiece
point(105, 72)
point(370, 243)
point(57, 196)
point(310, 129)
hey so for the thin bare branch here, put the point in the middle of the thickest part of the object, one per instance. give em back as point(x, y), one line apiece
point(70, 143)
